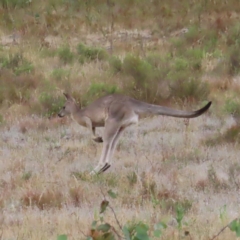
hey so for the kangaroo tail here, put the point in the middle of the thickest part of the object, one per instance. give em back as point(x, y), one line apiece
point(142, 107)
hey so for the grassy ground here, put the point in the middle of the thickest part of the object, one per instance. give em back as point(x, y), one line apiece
point(159, 165)
point(176, 54)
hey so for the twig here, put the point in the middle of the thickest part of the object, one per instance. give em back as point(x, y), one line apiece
point(115, 231)
point(119, 225)
point(85, 235)
point(115, 216)
point(223, 229)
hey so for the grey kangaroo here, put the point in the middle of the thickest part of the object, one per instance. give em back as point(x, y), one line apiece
point(116, 112)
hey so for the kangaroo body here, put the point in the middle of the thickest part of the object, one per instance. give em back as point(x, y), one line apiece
point(116, 112)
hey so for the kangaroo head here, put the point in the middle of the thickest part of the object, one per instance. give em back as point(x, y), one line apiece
point(70, 106)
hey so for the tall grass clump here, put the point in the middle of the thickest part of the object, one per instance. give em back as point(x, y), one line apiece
point(185, 79)
point(86, 53)
point(115, 64)
point(16, 63)
point(65, 54)
point(142, 78)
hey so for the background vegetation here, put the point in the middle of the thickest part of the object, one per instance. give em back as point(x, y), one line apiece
point(175, 53)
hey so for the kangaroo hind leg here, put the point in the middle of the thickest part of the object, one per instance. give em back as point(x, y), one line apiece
point(114, 143)
point(110, 132)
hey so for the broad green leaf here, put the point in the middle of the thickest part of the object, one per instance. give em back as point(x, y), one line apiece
point(142, 232)
point(157, 233)
point(235, 227)
point(160, 225)
point(94, 224)
point(180, 214)
point(126, 233)
point(112, 194)
point(103, 206)
point(104, 227)
point(89, 238)
point(108, 236)
point(62, 237)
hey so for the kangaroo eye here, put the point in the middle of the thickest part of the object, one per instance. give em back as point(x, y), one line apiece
point(64, 107)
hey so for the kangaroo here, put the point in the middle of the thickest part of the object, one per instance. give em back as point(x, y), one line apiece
point(116, 112)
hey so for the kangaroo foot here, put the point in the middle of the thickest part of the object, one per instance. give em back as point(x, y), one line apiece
point(104, 168)
point(98, 139)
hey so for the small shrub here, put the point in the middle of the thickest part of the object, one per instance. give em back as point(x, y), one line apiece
point(232, 106)
point(115, 64)
point(140, 70)
point(60, 74)
point(142, 79)
point(26, 175)
point(183, 87)
point(161, 65)
point(50, 104)
point(65, 54)
point(90, 53)
point(17, 63)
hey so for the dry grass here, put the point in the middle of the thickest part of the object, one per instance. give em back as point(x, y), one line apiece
point(46, 189)
point(164, 162)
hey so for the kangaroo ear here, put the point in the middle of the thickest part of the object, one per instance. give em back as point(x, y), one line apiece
point(68, 97)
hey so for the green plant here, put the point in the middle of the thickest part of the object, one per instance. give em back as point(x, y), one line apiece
point(50, 104)
point(180, 212)
point(188, 88)
point(17, 63)
point(60, 74)
point(140, 70)
point(65, 54)
point(232, 106)
point(62, 237)
point(27, 175)
point(115, 64)
point(132, 230)
point(90, 53)
point(235, 226)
